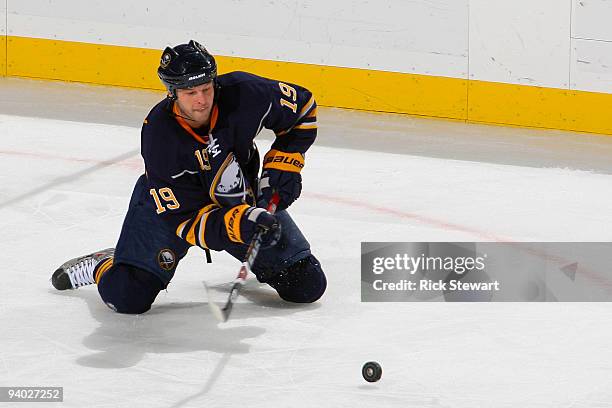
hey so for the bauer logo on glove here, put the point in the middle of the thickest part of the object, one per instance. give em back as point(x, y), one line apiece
point(282, 174)
point(275, 159)
point(290, 161)
point(243, 221)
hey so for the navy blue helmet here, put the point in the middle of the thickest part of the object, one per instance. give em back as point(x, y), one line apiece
point(186, 66)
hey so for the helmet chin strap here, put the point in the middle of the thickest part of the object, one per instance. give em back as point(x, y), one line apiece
point(183, 113)
point(187, 117)
point(172, 96)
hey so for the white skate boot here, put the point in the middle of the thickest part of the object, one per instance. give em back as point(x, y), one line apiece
point(79, 271)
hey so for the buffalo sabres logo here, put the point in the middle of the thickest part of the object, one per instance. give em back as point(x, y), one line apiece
point(231, 187)
point(166, 259)
point(231, 180)
point(165, 59)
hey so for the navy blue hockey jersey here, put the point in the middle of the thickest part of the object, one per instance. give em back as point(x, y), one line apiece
point(201, 184)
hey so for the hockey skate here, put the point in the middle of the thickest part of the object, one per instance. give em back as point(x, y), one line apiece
point(79, 271)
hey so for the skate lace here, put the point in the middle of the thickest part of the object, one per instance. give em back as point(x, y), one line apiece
point(81, 273)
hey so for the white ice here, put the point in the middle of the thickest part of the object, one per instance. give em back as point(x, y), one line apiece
point(69, 158)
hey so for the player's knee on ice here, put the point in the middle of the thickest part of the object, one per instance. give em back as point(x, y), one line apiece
point(128, 289)
point(289, 267)
point(302, 282)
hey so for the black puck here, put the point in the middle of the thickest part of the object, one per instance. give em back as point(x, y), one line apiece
point(371, 371)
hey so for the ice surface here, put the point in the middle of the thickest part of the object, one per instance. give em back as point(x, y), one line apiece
point(70, 155)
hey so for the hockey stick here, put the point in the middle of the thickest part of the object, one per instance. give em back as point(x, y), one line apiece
point(222, 313)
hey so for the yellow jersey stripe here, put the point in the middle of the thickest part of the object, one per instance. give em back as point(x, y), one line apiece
point(306, 107)
point(312, 125)
point(102, 268)
point(191, 234)
point(202, 230)
point(181, 227)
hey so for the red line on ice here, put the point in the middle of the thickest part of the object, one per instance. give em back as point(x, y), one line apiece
point(489, 237)
point(131, 164)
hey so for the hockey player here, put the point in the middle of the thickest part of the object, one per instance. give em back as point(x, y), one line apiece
point(201, 185)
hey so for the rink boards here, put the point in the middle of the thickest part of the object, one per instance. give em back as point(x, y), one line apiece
point(542, 65)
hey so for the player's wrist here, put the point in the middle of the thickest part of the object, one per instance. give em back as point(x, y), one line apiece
point(258, 219)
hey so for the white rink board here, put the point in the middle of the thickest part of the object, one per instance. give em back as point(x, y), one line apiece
point(426, 37)
point(3, 17)
point(591, 19)
point(591, 62)
point(591, 65)
point(520, 42)
point(508, 41)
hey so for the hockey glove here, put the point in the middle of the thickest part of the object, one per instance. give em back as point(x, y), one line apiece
point(287, 184)
point(255, 219)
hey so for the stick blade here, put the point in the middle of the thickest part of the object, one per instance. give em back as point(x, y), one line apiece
point(216, 311)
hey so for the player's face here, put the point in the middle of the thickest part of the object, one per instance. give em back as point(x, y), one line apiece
point(196, 103)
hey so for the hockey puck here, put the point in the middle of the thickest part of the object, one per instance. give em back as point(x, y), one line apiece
point(371, 371)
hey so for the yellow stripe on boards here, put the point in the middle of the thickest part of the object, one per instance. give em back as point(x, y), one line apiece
point(83, 62)
point(332, 86)
point(452, 98)
point(2, 55)
point(365, 89)
point(520, 105)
